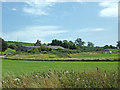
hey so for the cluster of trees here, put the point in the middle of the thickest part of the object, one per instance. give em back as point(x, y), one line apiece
point(109, 47)
point(69, 44)
point(64, 43)
point(3, 45)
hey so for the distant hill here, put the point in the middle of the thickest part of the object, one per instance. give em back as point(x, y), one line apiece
point(22, 43)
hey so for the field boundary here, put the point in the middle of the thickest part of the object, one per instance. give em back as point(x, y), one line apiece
point(90, 60)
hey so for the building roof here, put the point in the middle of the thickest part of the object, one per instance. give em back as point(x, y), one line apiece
point(53, 47)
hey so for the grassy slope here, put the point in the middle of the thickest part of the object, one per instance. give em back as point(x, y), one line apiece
point(85, 56)
point(22, 43)
point(93, 55)
point(26, 67)
point(114, 50)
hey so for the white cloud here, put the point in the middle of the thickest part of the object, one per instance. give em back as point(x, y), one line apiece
point(14, 9)
point(98, 29)
point(110, 9)
point(32, 33)
point(91, 29)
point(37, 7)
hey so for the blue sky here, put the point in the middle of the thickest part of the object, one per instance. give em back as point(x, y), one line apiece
point(92, 21)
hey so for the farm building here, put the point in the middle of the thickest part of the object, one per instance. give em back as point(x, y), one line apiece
point(38, 45)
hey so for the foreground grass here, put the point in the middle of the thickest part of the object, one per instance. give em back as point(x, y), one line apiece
point(18, 67)
point(63, 79)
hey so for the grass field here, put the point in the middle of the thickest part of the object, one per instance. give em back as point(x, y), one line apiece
point(113, 50)
point(95, 55)
point(18, 67)
point(21, 43)
point(80, 56)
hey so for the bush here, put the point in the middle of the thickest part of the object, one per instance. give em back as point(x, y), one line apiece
point(44, 52)
point(52, 56)
point(12, 46)
point(33, 50)
point(44, 48)
point(9, 51)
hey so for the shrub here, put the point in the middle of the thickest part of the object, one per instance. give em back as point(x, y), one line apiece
point(52, 56)
point(44, 52)
point(9, 51)
point(12, 46)
point(44, 48)
point(33, 50)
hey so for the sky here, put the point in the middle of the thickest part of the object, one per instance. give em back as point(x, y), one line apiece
point(96, 22)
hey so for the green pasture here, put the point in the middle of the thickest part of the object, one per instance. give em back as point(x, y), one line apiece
point(113, 50)
point(80, 56)
point(18, 67)
point(95, 55)
point(21, 43)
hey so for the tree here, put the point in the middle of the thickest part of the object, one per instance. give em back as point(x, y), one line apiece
point(65, 44)
point(112, 47)
point(118, 44)
point(79, 41)
point(72, 45)
point(106, 47)
point(38, 43)
point(90, 44)
point(3, 45)
point(56, 42)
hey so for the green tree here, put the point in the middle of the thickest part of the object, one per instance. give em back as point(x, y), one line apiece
point(72, 45)
point(79, 41)
point(65, 44)
point(90, 44)
point(56, 42)
point(3, 45)
point(118, 44)
point(106, 47)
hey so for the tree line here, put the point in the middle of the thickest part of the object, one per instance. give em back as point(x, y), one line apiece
point(70, 44)
point(78, 44)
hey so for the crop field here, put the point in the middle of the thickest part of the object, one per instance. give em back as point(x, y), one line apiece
point(18, 67)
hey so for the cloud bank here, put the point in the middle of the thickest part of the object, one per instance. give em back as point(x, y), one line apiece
point(32, 33)
point(110, 9)
point(91, 30)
